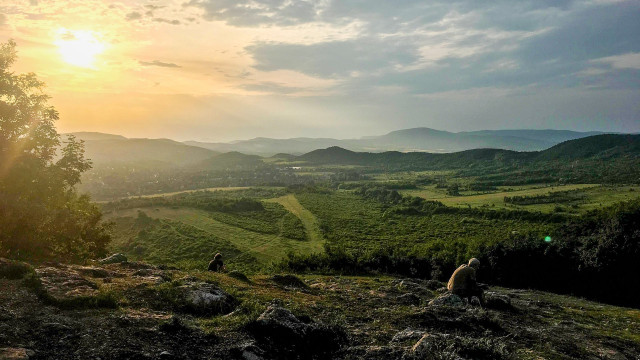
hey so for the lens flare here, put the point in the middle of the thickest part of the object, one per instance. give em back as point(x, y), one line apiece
point(547, 239)
point(78, 47)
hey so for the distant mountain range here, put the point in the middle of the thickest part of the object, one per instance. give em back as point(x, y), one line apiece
point(417, 139)
point(108, 148)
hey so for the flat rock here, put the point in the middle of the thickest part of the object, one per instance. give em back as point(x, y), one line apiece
point(62, 283)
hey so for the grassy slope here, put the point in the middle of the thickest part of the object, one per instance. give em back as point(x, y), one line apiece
point(205, 233)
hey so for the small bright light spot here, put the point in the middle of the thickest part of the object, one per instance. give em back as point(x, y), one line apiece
point(78, 47)
point(547, 239)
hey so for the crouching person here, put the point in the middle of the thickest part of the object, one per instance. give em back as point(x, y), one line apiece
point(463, 282)
point(216, 264)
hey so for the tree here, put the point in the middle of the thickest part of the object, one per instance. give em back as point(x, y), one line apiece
point(41, 215)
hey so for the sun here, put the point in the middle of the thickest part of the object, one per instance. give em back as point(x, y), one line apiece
point(78, 47)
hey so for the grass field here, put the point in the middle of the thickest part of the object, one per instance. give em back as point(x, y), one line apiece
point(596, 196)
point(190, 237)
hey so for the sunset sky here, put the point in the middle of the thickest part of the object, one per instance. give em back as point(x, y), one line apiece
point(219, 70)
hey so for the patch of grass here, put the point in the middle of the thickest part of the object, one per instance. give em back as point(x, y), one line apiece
point(13, 270)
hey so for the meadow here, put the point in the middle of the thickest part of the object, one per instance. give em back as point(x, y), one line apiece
point(595, 196)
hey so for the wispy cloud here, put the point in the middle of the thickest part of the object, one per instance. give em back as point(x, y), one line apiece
point(159, 63)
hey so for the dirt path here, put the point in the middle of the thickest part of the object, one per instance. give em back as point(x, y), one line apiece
point(308, 219)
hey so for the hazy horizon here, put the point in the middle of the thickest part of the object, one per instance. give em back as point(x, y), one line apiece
point(331, 137)
point(220, 71)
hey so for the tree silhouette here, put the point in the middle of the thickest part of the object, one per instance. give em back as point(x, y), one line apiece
point(41, 215)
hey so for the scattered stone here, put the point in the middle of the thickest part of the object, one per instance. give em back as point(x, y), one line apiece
point(497, 301)
point(289, 281)
point(407, 334)
point(15, 353)
point(447, 299)
point(203, 298)
point(113, 259)
point(285, 335)
point(11, 269)
point(409, 299)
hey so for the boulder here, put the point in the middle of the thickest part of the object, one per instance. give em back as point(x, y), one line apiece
point(204, 298)
point(115, 258)
point(447, 299)
point(497, 301)
point(287, 336)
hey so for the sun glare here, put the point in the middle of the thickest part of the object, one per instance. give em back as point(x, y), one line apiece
point(78, 47)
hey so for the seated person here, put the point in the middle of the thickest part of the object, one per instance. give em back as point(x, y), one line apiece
point(463, 282)
point(216, 264)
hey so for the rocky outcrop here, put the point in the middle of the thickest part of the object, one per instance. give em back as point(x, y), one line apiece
point(64, 284)
point(286, 336)
point(201, 298)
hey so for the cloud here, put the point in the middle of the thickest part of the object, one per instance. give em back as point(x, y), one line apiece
point(159, 63)
point(624, 61)
point(337, 58)
point(134, 15)
point(471, 45)
point(167, 21)
point(258, 12)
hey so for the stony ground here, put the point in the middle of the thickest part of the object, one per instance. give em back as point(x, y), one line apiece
point(139, 311)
